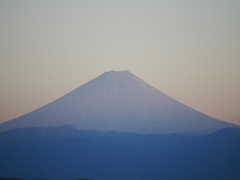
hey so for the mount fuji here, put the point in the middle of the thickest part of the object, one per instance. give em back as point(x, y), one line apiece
point(119, 101)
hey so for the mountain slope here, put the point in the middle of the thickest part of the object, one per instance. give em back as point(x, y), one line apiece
point(119, 101)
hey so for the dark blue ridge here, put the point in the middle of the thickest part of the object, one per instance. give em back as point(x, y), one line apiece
point(68, 153)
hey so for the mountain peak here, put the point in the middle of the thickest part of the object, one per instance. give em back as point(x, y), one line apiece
point(128, 77)
point(112, 71)
point(118, 73)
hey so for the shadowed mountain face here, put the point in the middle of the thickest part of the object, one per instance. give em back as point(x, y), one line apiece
point(119, 101)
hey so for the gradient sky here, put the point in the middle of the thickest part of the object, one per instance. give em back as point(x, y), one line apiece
point(187, 49)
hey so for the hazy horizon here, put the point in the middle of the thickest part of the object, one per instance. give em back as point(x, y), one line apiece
point(189, 50)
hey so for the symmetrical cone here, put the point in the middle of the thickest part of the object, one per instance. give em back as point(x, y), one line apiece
point(119, 101)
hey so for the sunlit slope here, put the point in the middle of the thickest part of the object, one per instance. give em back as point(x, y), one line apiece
point(119, 101)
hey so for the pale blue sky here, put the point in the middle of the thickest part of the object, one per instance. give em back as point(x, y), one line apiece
point(187, 49)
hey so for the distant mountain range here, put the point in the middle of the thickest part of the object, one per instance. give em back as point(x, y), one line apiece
point(67, 153)
point(119, 101)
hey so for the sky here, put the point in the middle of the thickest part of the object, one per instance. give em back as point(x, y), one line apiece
point(187, 49)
